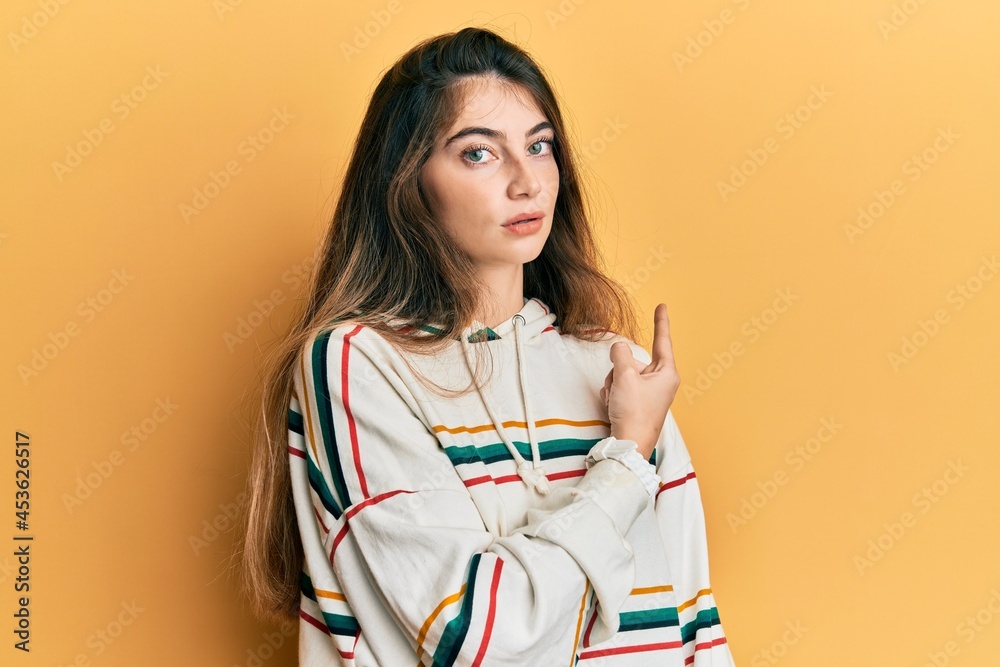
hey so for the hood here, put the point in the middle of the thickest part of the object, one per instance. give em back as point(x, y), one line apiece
point(524, 326)
point(535, 317)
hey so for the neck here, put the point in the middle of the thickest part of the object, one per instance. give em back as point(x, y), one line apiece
point(504, 293)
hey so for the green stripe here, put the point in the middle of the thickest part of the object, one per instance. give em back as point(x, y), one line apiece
point(706, 618)
point(493, 452)
point(458, 627)
point(316, 480)
point(325, 413)
point(318, 484)
point(295, 422)
point(341, 624)
point(647, 618)
point(306, 586)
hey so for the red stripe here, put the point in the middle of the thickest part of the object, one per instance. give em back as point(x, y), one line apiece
point(354, 510)
point(566, 473)
point(337, 540)
point(478, 480)
point(516, 478)
point(374, 500)
point(345, 355)
point(350, 655)
point(641, 648)
point(674, 482)
point(314, 622)
point(590, 626)
point(297, 452)
point(697, 647)
point(322, 626)
point(488, 630)
point(320, 519)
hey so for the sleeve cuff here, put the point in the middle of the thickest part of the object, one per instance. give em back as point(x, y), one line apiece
point(627, 453)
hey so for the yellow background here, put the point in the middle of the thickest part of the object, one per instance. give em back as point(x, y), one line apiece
point(668, 101)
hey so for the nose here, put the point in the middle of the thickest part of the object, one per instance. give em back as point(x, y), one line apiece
point(523, 179)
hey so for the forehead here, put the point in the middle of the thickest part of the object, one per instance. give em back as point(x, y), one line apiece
point(487, 98)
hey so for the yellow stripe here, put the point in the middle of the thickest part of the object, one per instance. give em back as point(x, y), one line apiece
point(704, 591)
point(652, 589)
point(434, 614)
point(308, 415)
point(514, 423)
point(332, 595)
point(579, 623)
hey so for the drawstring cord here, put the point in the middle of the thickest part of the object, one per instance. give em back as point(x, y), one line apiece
point(531, 472)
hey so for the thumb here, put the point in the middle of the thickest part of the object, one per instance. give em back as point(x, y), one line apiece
point(621, 356)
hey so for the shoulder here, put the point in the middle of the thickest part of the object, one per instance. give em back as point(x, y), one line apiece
point(592, 358)
point(343, 348)
point(602, 346)
point(336, 336)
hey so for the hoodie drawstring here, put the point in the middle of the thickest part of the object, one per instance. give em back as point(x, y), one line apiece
point(530, 471)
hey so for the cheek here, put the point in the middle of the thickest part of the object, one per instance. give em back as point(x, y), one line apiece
point(550, 177)
point(429, 185)
point(445, 196)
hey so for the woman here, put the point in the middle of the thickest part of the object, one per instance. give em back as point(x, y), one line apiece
point(461, 462)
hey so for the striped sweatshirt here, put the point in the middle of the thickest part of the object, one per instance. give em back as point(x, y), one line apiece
point(473, 530)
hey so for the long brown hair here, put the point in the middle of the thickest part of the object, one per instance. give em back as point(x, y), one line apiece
point(383, 258)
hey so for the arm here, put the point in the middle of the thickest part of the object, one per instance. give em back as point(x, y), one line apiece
point(680, 515)
point(389, 516)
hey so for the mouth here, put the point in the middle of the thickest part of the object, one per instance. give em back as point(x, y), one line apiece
point(524, 218)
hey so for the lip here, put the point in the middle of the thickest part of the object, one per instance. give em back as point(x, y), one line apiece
point(530, 226)
point(524, 216)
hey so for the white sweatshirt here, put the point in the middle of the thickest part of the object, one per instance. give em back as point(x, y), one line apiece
point(429, 541)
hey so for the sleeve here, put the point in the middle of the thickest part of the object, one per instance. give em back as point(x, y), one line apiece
point(681, 518)
point(387, 517)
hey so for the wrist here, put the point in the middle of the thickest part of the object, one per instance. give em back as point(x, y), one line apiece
point(642, 444)
point(626, 453)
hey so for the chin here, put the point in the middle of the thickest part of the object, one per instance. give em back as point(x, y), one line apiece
point(531, 256)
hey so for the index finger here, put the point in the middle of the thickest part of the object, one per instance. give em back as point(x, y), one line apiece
point(663, 351)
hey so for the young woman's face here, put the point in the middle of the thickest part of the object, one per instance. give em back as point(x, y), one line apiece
point(494, 164)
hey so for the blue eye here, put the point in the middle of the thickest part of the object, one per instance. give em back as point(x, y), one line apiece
point(476, 149)
point(549, 141)
point(479, 150)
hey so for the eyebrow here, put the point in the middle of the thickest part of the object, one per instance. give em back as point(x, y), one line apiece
point(494, 134)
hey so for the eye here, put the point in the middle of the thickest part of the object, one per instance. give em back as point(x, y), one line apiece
point(476, 155)
point(477, 151)
point(550, 141)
